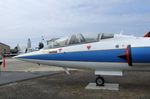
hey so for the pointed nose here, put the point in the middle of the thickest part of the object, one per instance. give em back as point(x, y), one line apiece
point(27, 55)
point(19, 56)
point(16, 57)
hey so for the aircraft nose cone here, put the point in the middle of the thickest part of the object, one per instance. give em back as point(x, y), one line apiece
point(27, 55)
point(17, 57)
point(22, 56)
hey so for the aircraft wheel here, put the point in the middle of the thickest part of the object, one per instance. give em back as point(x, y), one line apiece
point(100, 81)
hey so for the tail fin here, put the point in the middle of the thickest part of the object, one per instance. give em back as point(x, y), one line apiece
point(147, 34)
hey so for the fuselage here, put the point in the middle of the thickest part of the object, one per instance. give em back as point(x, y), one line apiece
point(98, 55)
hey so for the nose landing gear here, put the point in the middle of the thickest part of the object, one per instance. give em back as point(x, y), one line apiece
point(100, 81)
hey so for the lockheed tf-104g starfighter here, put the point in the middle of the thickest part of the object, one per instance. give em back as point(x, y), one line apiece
point(106, 54)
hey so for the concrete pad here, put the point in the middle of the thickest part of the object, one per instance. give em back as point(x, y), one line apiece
point(21, 66)
point(11, 77)
point(107, 86)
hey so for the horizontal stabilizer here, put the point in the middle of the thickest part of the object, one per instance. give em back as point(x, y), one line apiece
point(108, 72)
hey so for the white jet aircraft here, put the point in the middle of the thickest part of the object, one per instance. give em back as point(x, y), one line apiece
point(106, 54)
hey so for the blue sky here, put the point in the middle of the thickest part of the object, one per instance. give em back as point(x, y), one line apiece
point(23, 19)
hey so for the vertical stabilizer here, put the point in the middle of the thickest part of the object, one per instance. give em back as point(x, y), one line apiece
point(147, 34)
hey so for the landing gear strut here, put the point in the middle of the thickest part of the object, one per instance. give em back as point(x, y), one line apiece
point(100, 81)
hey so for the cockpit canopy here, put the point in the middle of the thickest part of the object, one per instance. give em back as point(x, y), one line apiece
point(78, 39)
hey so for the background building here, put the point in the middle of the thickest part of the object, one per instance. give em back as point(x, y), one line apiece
point(5, 49)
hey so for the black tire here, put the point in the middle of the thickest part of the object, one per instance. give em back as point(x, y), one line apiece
point(100, 81)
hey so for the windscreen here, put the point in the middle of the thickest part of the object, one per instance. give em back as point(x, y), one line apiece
point(78, 39)
point(58, 43)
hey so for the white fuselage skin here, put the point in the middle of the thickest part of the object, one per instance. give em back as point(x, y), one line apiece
point(118, 42)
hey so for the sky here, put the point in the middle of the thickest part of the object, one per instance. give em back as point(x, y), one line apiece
point(23, 19)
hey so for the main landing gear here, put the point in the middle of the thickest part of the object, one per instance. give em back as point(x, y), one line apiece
point(100, 81)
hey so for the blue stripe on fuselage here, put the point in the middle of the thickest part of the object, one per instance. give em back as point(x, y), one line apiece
point(139, 55)
point(89, 56)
